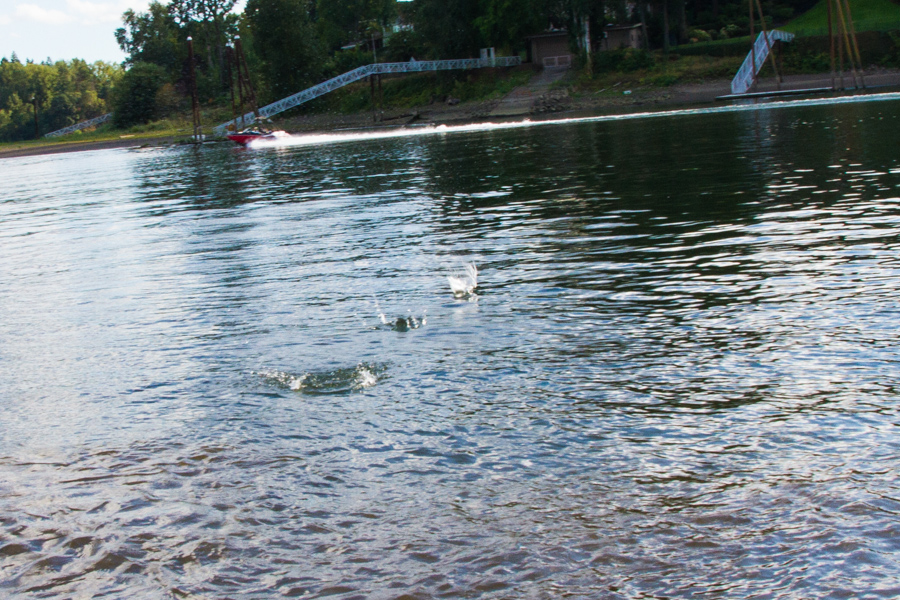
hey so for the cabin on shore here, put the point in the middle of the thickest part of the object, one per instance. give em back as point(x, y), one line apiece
point(616, 37)
point(550, 49)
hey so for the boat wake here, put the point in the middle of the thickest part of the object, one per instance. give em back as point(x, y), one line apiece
point(335, 138)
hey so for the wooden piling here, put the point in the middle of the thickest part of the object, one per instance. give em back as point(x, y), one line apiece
point(195, 102)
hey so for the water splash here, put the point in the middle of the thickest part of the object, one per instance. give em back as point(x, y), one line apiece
point(463, 285)
point(336, 381)
point(409, 322)
point(404, 323)
point(366, 377)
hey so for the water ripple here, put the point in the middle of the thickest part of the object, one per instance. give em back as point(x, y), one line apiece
point(677, 376)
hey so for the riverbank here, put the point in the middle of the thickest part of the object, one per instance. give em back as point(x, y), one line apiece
point(40, 147)
point(534, 100)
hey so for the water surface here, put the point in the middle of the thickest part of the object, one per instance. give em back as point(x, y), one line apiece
point(678, 375)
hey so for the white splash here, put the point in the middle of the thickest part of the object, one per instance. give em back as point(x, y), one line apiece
point(414, 322)
point(365, 377)
point(400, 323)
point(464, 285)
point(293, 382)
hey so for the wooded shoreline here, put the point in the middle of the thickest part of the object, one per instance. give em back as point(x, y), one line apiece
point(614, 101)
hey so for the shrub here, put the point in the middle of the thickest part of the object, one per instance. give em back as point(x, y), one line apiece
point(892, 56)
point(405, 45)
point(168, 100)
point(134, 101)
point(625, 60)
point(698, 35)
point(347, 60)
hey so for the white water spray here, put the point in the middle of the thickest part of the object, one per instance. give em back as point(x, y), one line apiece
point(464, 285)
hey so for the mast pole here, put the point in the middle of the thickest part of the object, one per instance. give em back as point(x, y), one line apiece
point(195, 103)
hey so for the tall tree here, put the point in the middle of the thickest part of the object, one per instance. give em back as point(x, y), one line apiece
point(66, 92)
point(347, 21)
point(448, 26)
point(286, 43)
point(150, 37)
point(208, 18)
point(505, 24)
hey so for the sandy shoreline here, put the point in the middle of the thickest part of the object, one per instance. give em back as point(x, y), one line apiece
point(553, 102)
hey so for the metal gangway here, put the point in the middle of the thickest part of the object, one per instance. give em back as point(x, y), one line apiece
point(746, 75)
point(79, 126)
point(413, 66)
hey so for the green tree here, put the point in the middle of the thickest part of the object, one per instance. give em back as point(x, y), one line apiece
point(449, 26)
point(134, 101)
point(405, 45)
point(151, 37)
point(285, 41)
point(505, 24)
point(209, 22)
point(347, 21)
point(66, 92)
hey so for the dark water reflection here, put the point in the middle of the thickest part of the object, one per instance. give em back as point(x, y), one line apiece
point(678, 377)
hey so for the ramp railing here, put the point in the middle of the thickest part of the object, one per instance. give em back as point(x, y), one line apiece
point(79, 126)
point(413, 66)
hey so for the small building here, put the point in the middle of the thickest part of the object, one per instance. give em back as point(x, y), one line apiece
point(550, 49)
point(616, 37)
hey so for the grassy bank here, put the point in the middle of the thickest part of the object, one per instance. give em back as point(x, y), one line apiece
point(868, 15)
point(658, 71)
point(177, 130)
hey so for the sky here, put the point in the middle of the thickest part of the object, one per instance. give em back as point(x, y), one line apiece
point(64, 29)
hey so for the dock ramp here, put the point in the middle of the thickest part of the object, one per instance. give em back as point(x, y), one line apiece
point(413, 66)
point(746, 75)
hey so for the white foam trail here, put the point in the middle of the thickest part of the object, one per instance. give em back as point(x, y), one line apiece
point(336, 138)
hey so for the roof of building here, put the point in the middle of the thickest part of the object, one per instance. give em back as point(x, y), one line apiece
point(551, 33)
point(621, 27)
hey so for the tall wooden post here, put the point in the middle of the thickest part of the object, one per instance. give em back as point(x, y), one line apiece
point(752, 41)
point(666, 32)
point(862, 80)
point(195, 102)
point(229, 65)
point(37, 132)
point(831, 39)
point(244, 76)
point(842, 19)
point(380, 99)
point(372, 94)
point(646, 41)
point(240, 86)
point(765, 31)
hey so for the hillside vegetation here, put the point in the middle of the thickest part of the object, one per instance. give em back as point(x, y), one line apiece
point(868, 15)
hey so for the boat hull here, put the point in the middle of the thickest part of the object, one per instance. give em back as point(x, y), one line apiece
point(245, 137)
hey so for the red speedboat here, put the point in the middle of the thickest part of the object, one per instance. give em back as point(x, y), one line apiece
point(248, 135)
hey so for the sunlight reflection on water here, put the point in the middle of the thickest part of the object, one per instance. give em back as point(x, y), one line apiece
point(679, 378)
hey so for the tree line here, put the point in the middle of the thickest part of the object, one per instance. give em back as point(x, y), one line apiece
point(292, 44)
point(63, 93)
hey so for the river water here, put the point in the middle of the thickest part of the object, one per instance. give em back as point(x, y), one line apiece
point(233, 373)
